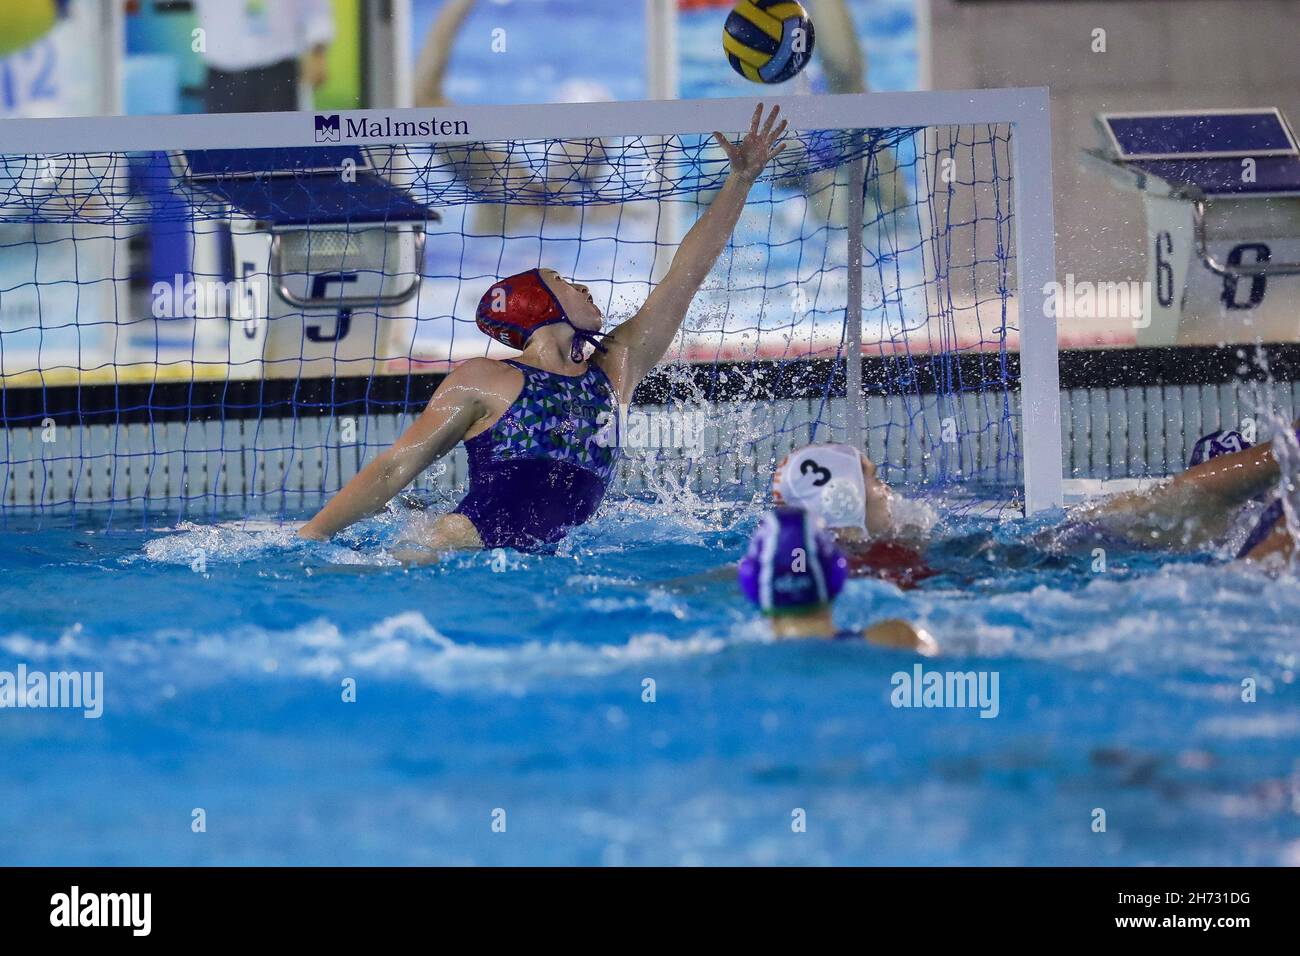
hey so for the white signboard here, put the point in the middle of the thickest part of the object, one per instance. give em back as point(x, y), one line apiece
point(1189, 304)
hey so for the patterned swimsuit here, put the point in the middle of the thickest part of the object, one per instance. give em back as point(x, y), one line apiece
point(543, 468)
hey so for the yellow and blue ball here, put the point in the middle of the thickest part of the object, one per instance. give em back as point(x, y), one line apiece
point(768, 41)
point(23, 22)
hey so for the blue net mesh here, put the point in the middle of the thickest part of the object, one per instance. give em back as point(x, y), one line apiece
point(230, 330)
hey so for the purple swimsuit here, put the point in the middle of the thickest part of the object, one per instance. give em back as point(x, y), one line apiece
point(545, 465)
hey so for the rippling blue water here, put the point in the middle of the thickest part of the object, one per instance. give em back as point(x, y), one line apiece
point(521, 689)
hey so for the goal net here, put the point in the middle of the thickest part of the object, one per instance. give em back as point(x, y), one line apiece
point(189, 328)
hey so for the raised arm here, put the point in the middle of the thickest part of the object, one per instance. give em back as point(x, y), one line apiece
point(454, 408)
point(638, 344)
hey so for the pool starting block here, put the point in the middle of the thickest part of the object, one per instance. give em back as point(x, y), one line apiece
point(324, 263)
point(1221, 189)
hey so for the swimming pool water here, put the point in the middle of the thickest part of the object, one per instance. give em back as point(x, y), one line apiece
point(517, 685)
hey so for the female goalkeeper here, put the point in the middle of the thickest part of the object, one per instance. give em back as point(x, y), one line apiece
point(539, 459)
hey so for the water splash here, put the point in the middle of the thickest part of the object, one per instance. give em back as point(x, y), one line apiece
point(242, 541)
point(1286, 450)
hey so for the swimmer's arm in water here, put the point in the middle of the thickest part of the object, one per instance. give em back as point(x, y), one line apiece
point(1209, 492)
point(893, 633)
point(636, 346)
point(902, 635)
point(1279, 545)
point(690, 582)
point(459, 402)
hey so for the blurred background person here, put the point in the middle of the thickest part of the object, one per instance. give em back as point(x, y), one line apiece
point(262, 55)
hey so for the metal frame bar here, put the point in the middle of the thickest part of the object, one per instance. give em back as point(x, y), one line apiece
point(1040, 377)
point(1227, 269)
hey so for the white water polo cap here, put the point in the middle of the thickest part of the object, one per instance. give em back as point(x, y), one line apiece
point(826, 480)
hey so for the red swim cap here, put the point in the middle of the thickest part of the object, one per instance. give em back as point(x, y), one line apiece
point(516, 307)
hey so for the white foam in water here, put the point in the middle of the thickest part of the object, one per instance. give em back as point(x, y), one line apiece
point(244, 540)
point(1122, 625)
point(648, 523)
point(621, 520)
point(404, 647)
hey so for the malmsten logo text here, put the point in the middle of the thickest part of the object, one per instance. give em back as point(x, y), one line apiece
point(334, 128)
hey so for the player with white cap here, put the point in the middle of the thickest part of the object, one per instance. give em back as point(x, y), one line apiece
point(879, 530)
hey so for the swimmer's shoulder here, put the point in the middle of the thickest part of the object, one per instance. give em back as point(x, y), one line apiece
point(484, 369)
point(482, 387)
point(483, 378)
point(896, 634)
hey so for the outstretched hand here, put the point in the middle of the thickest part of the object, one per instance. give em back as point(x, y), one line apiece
point(752, 153)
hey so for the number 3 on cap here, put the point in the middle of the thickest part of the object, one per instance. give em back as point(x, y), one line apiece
point(810, 466)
